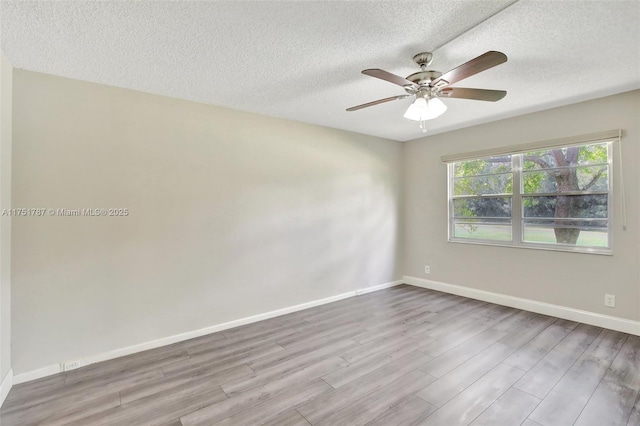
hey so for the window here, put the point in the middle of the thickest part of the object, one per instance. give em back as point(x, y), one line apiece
point(556, 198)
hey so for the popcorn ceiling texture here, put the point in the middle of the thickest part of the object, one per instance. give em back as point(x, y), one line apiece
point(302, 60)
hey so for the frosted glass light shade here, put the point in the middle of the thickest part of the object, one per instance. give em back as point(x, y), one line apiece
point(421, 109)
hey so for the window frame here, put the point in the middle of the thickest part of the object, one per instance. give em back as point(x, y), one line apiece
point(517, 218)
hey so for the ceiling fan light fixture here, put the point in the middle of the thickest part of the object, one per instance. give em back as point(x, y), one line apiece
point(422, 109)
point(416, 110)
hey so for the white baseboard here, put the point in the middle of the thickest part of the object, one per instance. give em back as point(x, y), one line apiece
point(592, 318)
point(49, 370)
point(378, 287)
point(5, 386)
point(57, 368)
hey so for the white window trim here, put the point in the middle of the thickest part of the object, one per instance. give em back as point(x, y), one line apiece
point(517, 236)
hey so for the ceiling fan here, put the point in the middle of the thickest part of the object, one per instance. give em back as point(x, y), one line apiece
point(428, 86)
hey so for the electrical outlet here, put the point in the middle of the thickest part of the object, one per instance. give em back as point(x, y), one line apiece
point(610, 300)
point(70, 365)
point(427, 269)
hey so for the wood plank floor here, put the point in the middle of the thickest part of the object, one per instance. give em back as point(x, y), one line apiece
point(401, 356)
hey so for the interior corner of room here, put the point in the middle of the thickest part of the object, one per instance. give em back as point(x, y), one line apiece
point(218, 217)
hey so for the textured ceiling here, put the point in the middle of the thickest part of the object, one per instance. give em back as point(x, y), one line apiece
point(302, 60)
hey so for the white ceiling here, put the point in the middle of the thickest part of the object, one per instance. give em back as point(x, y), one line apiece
point(302, 60)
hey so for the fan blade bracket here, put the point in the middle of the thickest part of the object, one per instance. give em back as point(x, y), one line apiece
point(410, 89)
point(441, 83)
point(446, 91)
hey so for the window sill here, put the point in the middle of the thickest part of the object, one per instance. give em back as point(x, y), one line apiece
point(579, 250)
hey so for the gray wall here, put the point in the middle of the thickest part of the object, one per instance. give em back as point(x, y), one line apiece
point(567, 279)
point(230, 215)
point(6, 86)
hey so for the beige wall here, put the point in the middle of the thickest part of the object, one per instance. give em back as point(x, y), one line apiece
point(231, 215)
point(6, 86)
point(568, 279)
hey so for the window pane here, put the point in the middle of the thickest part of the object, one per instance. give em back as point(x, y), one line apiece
point(566, 206)
point(563, 157)
point(480, 185)
point(483, 232)
point(579, 233)
point(586, 178)
point(485, 166)
point(482, 207)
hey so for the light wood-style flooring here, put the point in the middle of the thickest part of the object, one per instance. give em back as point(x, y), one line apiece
point(401, 356)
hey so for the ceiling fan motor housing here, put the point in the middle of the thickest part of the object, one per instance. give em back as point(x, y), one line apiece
point(423, 78)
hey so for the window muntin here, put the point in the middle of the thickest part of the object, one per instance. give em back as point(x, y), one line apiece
point(561, 201)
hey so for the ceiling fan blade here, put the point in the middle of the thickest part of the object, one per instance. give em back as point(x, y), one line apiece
point(474, 66)
point(474, 94)
point(391, 78)
point(379, 101)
